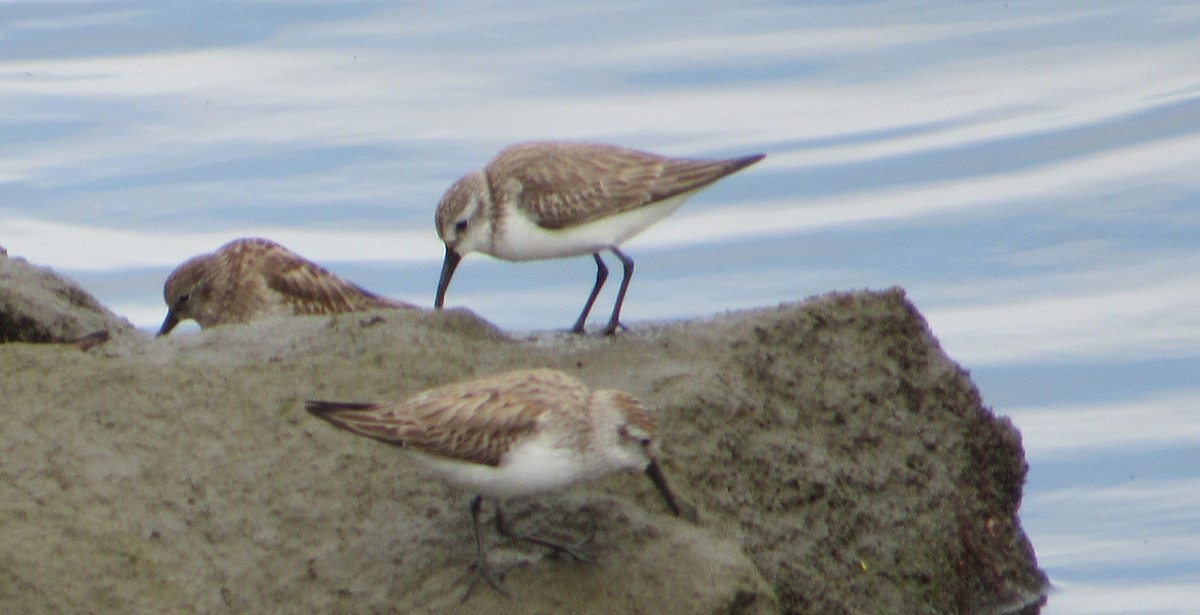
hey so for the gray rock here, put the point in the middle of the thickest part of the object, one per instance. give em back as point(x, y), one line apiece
point(831, 458)
point(38, 305)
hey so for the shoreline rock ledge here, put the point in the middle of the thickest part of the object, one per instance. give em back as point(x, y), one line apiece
point(831, 457)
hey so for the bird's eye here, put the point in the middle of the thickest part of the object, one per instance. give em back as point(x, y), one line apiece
point(183, 299)
point(460, 226)
point(643, 441)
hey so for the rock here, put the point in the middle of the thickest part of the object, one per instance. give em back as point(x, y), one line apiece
point(38, 305)
point(833, 460)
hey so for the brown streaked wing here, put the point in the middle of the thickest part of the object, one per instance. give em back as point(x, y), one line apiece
point(312, 289)
point(476, 421)
point(566, 184)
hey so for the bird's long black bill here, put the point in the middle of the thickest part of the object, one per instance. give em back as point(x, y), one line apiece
point(169, 323)
point(660, 482)
point(448, 267)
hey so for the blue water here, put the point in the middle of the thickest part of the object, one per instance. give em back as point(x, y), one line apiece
point(1028, 171)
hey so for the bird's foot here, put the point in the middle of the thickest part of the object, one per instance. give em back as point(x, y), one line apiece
point(613, 327)
point(574, 550)
point(483, 571)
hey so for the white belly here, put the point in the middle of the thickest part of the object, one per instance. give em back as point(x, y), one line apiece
point(522, 240)
point(535, 468)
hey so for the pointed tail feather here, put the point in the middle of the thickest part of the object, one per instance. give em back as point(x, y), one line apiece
point(358, 418)
point(693, 174)
point(323, 409)
point(742, 162)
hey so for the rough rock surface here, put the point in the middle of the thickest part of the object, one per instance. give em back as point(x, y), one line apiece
point(38, 305)
point(832, 459)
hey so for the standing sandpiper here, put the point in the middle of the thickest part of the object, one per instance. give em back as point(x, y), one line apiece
point(512, 434)
point(544, 200)
point(248, 279)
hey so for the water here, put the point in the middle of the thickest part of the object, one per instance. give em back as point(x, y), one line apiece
point(1028, 171)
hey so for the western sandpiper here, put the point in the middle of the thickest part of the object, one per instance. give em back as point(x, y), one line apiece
point(544, 200)
point(247, 279)
point(512, 434)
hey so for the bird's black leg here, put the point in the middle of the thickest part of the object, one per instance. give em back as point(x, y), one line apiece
point(615, 320)
point(572, 550)
point(601, 276)
point(483, 570)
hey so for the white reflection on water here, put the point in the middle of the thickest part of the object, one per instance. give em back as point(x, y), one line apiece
point(1104, 542)
point(1119, 599)
point(1141, 424)
point(1121, 313)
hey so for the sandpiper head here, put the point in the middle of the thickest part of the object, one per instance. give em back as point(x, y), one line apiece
point(636, 444)
point(186, 293)
point(462, 223)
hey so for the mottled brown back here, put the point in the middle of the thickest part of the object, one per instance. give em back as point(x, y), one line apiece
point(476, 421)
point(566, 184)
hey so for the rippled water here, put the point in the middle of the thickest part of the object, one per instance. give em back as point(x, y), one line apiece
point(1028, 171)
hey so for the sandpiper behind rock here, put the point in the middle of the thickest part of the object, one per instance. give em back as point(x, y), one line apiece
point(250, 278)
